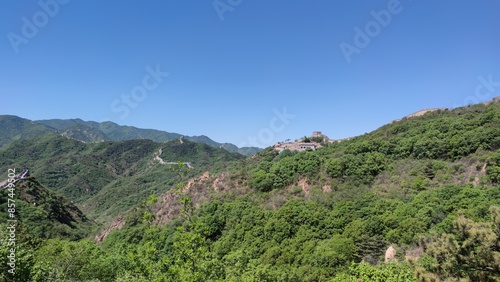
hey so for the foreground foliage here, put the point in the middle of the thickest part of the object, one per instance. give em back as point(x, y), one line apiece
point(427, 186)
point(303, 240)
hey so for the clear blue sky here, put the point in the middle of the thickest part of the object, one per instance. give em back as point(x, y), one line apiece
point(230, 69)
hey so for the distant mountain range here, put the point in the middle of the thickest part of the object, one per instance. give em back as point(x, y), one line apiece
point(413, 186)
point(14, 128)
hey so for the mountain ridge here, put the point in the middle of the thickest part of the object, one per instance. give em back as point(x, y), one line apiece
point(412, 186)
point(14, 127)
point(104, 177)
point(116, 132)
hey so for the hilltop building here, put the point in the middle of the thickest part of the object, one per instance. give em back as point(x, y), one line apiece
point(317, 134)
point(296, 146)
point(301, 144)
point(317, 138)
point(311, 143)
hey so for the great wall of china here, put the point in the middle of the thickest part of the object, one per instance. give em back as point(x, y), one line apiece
point(20, 176)
point(301, 144)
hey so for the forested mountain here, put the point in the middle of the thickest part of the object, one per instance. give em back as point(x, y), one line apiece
point(107, 177)
point(113, 132)
point(13, 128)
point(425, 188)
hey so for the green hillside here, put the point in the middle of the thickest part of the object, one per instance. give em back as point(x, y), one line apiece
point(107, 177)
point(14, 128)
point(84, 133)
point(43, 214)
point(428, 186)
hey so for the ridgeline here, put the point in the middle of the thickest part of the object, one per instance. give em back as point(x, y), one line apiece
point(415, 200)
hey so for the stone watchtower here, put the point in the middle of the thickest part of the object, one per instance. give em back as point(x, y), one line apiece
point(317, 134)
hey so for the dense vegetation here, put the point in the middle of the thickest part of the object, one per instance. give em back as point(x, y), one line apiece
point(427, 186)
point(108, 177)
point(43, 214)
point(14, 128)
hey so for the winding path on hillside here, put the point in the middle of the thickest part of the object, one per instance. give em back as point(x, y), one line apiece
point(157, 158)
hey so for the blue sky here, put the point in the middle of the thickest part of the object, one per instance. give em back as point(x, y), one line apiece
point(234, 64)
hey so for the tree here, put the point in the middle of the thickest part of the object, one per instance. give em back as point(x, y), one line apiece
point(64, 260)
point(333, 253)
point(261, 181)
point(493, 169)
point(471, 251)
point(392, 272)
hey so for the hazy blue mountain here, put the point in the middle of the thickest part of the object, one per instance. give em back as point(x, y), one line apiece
point(111, 131)
point(246, 151)
point(111, 176)
point(14, 128)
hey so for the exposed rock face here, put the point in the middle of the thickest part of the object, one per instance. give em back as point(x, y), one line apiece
point(117, 224)
point(414, 254)
point(305, 186)
point(390, 255)
point(327, 188)
point(205, 176)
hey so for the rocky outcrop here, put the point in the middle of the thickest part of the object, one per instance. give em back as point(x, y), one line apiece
point(390, 255)
point(115, 225)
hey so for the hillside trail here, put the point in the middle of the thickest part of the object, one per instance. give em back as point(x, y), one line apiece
point(161, 161)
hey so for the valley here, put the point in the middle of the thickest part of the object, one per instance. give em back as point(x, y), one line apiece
point(424, 188)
